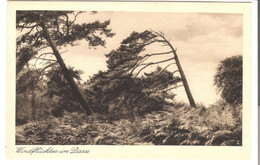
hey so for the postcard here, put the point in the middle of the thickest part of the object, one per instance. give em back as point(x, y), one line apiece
point(129, 80)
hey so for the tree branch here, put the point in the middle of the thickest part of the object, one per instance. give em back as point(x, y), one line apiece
point(172, 88)
point(174, 80)
point(184, 80)
point(67, 24)
point(39, 57)
point(175, 72)
point(138, 63)
point(75, 17)
point(48, 66)
point(162, 71)
point(46, 59)
point(152, 63)
point(26, 27)
point(27, 34)
point(156, 54)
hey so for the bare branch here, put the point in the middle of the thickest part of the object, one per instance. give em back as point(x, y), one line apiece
point(164, 39)
point(49, 66)
point(175, 72)
point(75, 17)
point(145, 57)
point(46, 59)
point(156, 54)
point(137, 64)
point(184, 80)
point(26, 27)
point(160, 41)
point(46, 53)
point(173, 88)
point(39, 57)
point(171, 81)
point(152, 63)
point(162, 70)
point(27, 34)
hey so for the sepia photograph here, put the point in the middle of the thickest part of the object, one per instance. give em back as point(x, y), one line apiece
point(97, 78)
point(129, 78)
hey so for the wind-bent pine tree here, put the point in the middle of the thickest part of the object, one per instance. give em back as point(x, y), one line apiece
point(56, 29)
point(176, 58)
point(127, 59)
point(126, 85)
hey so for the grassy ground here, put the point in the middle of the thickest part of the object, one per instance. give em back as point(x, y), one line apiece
point(174, 125)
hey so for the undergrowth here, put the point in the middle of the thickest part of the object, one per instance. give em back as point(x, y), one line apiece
point(219, 124)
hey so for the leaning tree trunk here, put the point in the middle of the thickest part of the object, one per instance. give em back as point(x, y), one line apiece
point(184, 80)
point(183, 77)
point(84, 103)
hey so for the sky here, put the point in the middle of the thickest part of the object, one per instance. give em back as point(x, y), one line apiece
point(202, 40)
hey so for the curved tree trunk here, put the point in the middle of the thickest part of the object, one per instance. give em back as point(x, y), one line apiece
point(84, 103)
point(184, 80)
point(183, 77)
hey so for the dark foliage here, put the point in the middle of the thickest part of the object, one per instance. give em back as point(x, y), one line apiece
point(121, 90)
point(134, 95)
point(169, 126)
point(41, 30)
point(228, 79)
point(127, 55)
point(59, 90)
point(62, 29)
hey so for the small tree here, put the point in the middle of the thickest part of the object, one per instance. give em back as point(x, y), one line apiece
point(228, 79)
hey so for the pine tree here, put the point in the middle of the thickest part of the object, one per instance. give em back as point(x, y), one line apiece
point(126, 85)
point(56, 29)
